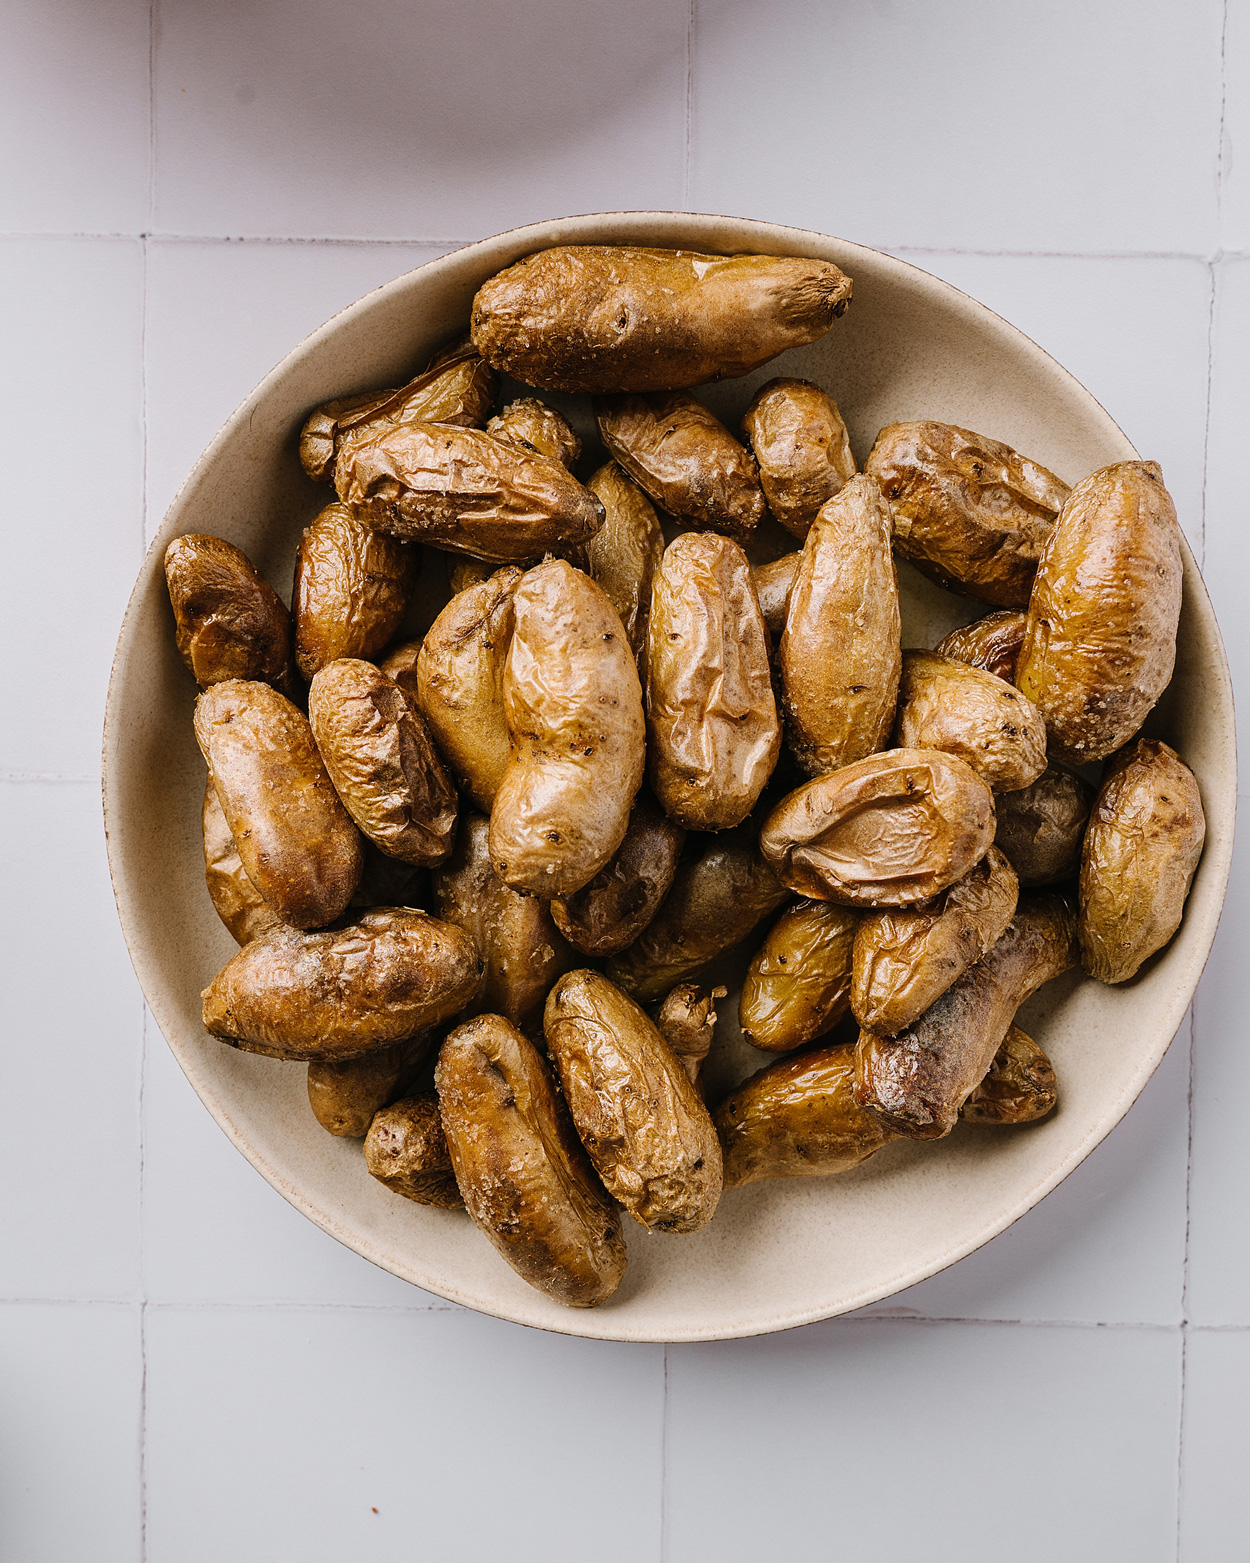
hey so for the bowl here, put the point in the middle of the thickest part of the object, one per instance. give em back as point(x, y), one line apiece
point(779, 1253)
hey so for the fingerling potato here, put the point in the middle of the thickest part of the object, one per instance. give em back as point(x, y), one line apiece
point(687, 1022)
point(532, 423)
point(406, 1149)
point(992, 643)
point(773, 584)
point(1020, 1086)
point(624, 554)
point(949, 705)
point(801, 447)
point(798, 985)
point(345, 1096)
point(229, 622)
point(352, 588)
point(1041, 827)
point(236, 900)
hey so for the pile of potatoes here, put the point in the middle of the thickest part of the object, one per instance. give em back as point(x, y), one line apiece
point(519, 845)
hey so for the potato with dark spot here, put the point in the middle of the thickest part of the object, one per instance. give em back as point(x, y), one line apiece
point(345, 1096)
point(801, 448)
point(533, 424)
point(352, 587)
point(229, 622)
point(236, 900)
point(1020, 1087)
point(624, 554)
point(962, 710)
point(1041, 827)
point(992, 643)
point(607, 914)
point(406, 1150)
point(687, 1022)
point(798, 985)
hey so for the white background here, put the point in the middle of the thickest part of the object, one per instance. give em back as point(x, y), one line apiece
point(192, 1371)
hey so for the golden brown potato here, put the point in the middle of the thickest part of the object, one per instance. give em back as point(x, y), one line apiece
point(1141, 851)
point(970, 513)
point(1020, 1086)
point(573, 706)
point(351, 589)
point(522, 1171)
point(906, 958)
point(890, 830)
point(952, 706)
point(1100, 642)
point(636, 1111)
point(992, 643)
point(463, 572)
point(406, 1150)
point(801, 448)
point(917, 1081)
point(1040, 828)
point(687, 1022)
point(341, 992)
point(345, 1096)
point(625, 552)
point(532, 423)
point(296, 841)
point(773, 584)
point(382, 761)
point(236, 900)
point(839, 653)
point(713, 735)
point(602, 318)
point(229, 621)
point(798, 986)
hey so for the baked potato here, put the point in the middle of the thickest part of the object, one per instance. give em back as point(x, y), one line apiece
point(345, 1096)
point(963, 710)
point(531, 423)
point(798, 985)
point(1041, 827)
point(992, 643)
point(228, 621)
point(801, 448)
point(773, 584)
point(406, 1150)
point(236, 900)
point(687, 1022)
point(624, 554)
point(1020, 1087)
point(352, 588)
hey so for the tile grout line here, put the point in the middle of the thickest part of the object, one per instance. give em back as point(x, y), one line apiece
point(1213, 283)
point(664, 1462)
point(685, 178)
point(48, 776)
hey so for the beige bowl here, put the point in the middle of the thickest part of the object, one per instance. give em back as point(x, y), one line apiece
point(781, 1253)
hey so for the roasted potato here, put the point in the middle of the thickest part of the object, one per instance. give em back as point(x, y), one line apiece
point(351, 589)
point(533, 424)
point(624, 554)
point(463, 572)
point(345, 1096)
point(1040, 828)
point(687, 1022)
point(773, 584)
point(992, 643)
point(801, 448)
point(1020, 1086)
point(236, 900)
point(229, 622)
point(406, 1150)
point(952, 706)
point(798, 985)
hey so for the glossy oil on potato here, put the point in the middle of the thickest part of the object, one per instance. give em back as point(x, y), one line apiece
point(1041, 827)
point(624, 554)
point(801, 448)
point(798, 985)
point(236, 900)
point(687, 1022)
point(406, 1149)
point(352, 587)
point(1020, 1086)
point(228, 621)
point(992, 643)
point(345, 1096)
point(962, 710)
point(607, 914)
point(532, 423)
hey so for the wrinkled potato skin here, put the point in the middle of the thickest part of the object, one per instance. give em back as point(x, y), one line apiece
point(773, 584)
point(992, 643)
point(322, 997)
point(351, 589)
point(531, 422)
point(839, 653)
point(798, 986)
point(713, 735)
point(801, 447)
point(1040, 828)
point(236, 900)
point(890, 830)
point(952, 706)
point(601, 318)
point(685, 459)
point(1020, 1086)
point(907, 957)
point(296, 841)
point(1100, 643)
point(624, 554)
point(406, 1149)
point(607, 914)
point(573, 705)
point(1141, 851)
point(345, 1096)
point(229, 621)
point(687, 1022)
point(521, 1169)
point(969, 512)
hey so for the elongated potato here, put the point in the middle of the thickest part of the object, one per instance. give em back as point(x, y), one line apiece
point(624, 554)
point(326, 996)
point(229, 622)
point(798, 985)
point(236, 900)
point(773, 584)
point(602, 318)
point(801, 448)
point(296, 841)
point(521, 1169)
point(532, 423)
point(573, 705)
point(839, 653)
point(992, 643)
point(1020, 1086)
point(351, 590)
point(1141, 851)
point(1041, 827)
point(687, 1022)
point(609, 912)
point(952, 706)
point(1100, 642)
point(345, 1096)
point(406, 1149)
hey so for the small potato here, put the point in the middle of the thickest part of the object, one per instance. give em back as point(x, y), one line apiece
point(345, 1096)
point(773, 584)
point(406, 1149)
point(326, 996)
point(296, 841)
point(463, 572)
point(890, 830)
point(962, 710)
point(236, 900)
point(598, 318)
point(607, 914)
point(687, 1022)
point(906, 958)
point(798, 986)
point(1141, 851)
point(839, 653)
point(351, 589)
point(713, 735)
point(1020, 1086)
point(801, 448)
point(624, 554)
point(1100, 642)
point(636, 1111)
point(1040, 828)
point(992, 643)
point(573, 706)
point(229, 621)
point(382, 762)
point(521, 1169)
point(532, 423)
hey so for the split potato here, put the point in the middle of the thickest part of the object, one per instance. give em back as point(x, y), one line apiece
point(229, 623)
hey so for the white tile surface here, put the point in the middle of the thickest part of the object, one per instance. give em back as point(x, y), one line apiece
point(1235, 159)
point(1215, 1501)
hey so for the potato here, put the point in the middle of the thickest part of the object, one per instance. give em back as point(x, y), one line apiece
point(949, 705)
point(992, 643)
point(624, 554)
point(406, 1149)
point(345, 1096)
point(229, 621)
point(573, 706)
point(970, 513)
point(798, 985)
point(687, 1022)
point(683, 457)
point(382, 762)
point(906, 958)
point(523, 1174)
point(463, 572)
point(773, 584)
point(1141, 850)
point(1040, 828)
point(1020, 1086)
point(917, 1082)
point(326, 996)
point(236, 900)
point(801, 448)
point(713, 735)
point(839, 653)
point(636, 1111)
point(533, 424)
point(890, 830)
point(617, 318)
point(351, 589)
point(1100, 642)
point(296, 841)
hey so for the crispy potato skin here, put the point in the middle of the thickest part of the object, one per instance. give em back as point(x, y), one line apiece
point(1100, 642)
point(906, 958)
point(602, 318)
point(1040, 828)
point(801, 448)
point(773, 584)
point(345, 1096)
point(1020, 1086)
point(521, 1169)
point(687, 1022)
point(916, 1082)
point(635, 1109)
point(607, 914)
point(532, 423)
point(573, 705)
point(963, 710)
point(296, 841)
point(890, 830)
point(969, 512)
point(624, 554)
point(229, 622)
point(351, 590)
point(1141, 851)
point(406, 1149)
point(798, 985)
point(713, 735)
point(839, 653)
point(236, 900)
point(322, 997)
point(992, 643)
